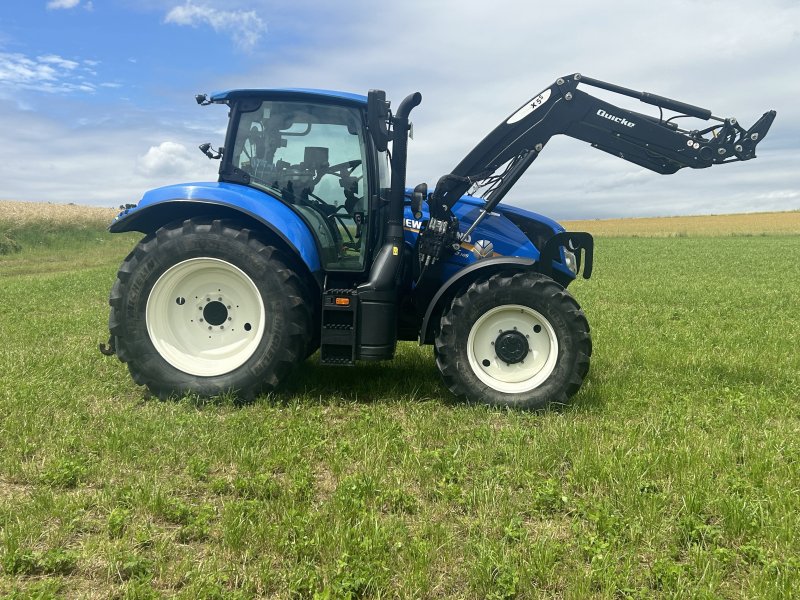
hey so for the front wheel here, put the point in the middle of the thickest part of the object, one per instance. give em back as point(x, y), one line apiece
point(514, 340)
point(205, 307)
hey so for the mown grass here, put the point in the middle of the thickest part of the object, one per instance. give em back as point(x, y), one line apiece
point(674, 474)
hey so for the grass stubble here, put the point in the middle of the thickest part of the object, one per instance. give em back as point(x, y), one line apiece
point(673, 474)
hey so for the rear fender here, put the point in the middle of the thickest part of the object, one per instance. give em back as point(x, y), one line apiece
point(223, 200)
point(463, 278)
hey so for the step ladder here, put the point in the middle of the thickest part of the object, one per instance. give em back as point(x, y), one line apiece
point(339, 338)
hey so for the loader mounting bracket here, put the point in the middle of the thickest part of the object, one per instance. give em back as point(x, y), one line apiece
point(574, 241)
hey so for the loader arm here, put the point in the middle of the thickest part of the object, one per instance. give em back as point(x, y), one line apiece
point(656, 143)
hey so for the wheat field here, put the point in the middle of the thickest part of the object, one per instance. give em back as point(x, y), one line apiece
point(15, 213)
point(766, 223)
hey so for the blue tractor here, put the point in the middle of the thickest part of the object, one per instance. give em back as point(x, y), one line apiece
point(310, 240)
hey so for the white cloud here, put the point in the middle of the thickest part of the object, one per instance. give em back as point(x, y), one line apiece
point(56, 4)
point(169, 160)
point(59, 62)
point(49, 73)
point(781, 195)
point(245, 27)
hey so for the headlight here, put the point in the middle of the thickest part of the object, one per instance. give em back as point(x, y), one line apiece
point(571, 261)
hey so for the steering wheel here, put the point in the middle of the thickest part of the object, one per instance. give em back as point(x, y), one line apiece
point(344, 170)
point(350, 165)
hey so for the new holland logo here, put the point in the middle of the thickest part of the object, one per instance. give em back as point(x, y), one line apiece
point(483, 248)
point(611, 117)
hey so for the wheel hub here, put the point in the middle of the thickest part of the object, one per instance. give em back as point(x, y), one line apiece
point(511, 347)
point(215, 313)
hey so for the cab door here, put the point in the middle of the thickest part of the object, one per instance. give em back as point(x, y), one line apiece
point(313, 156)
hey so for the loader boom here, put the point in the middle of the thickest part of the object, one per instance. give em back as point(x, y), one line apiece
point(656, 143)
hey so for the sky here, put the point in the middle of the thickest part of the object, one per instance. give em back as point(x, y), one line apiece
point(97, 96)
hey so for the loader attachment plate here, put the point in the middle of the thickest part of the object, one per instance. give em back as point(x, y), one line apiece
point(574, 241)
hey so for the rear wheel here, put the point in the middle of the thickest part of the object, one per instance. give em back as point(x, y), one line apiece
point(514, 340)
point(205, 307)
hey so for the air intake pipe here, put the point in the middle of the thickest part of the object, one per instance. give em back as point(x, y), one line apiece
point(400, 128)
point(377, 316)
point(387, 260)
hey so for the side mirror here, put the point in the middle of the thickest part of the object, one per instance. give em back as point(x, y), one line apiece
point(418, 196)
point(378, 118)
point(209, 152)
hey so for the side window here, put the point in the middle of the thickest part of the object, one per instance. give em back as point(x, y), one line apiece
point(313, 157)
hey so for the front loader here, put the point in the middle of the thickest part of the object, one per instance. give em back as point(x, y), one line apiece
point(311, 241)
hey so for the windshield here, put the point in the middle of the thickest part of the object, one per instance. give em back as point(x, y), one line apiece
point(312, 157)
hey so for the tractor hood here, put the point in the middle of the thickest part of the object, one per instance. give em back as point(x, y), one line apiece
point(507, 231)
point(513, 211)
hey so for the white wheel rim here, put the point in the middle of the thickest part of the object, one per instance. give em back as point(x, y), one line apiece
point(205, 316)
point(533, 370)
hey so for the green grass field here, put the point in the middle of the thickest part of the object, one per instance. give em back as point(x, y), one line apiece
point(675, 473)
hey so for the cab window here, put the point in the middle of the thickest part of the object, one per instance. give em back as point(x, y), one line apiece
point(312, 156)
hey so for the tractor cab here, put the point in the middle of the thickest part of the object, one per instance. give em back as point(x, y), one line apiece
point(311, 151)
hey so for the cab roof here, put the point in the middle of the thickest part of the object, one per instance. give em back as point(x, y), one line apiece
point(292, 94)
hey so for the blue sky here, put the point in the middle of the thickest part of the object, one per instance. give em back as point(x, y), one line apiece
point(96, 97)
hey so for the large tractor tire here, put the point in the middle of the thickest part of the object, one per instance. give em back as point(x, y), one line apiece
point(514, 340)
point(205, 307)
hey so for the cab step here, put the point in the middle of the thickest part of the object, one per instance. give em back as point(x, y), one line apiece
point(338, 339)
